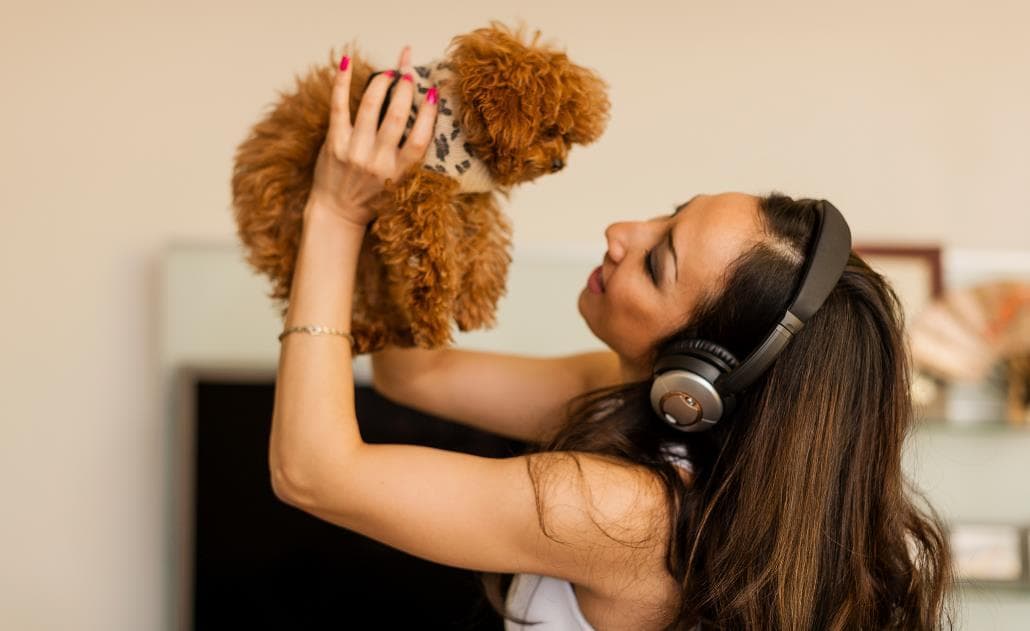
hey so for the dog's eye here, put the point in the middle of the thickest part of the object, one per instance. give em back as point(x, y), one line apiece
point(552, 131)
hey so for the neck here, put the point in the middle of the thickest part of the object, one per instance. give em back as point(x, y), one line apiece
point(633, 369)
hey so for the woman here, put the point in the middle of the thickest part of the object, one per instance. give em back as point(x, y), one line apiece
point(792, 513)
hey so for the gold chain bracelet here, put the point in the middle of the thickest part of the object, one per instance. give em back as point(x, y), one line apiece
point(316, 330)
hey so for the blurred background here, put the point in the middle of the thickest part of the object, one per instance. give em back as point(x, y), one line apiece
point(124, 280)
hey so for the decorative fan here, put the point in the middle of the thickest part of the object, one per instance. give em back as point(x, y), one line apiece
point(963, 335)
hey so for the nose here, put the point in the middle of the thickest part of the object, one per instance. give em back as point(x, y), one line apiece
point(617, 235)
point(557, 165)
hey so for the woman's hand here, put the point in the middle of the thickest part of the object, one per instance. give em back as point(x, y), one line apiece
point(355, 162)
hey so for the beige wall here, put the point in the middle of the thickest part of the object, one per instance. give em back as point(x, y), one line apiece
point(119, 121)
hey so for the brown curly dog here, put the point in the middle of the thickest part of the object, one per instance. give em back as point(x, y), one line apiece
point(439, 248)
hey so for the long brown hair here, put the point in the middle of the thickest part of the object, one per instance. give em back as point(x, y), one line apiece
point(799, 516)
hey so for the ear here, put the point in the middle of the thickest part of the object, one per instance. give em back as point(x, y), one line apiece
point(584, 104)
point(504, 86)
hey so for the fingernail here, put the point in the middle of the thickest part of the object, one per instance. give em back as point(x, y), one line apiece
point(390, 73)
point(344, 63)
point(406, 76)
point(431, 95)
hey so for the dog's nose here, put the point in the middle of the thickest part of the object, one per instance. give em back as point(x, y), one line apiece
point(557, 164)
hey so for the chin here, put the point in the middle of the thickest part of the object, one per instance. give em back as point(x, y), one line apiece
point(589, 314)
point(583, 307)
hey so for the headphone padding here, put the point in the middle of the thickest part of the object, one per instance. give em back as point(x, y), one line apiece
point(713, 351)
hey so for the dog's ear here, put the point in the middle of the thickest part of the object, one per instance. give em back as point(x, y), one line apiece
point(584, 102)
point(518, 95)
point(499, 83)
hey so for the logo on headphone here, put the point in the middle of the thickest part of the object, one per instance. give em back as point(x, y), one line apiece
point(680, 408)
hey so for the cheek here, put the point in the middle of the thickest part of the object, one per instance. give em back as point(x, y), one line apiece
point(632, 313)
point(638, 312)
point(628, 299)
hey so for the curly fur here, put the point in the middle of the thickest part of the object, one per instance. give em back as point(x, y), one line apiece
point(434, 255)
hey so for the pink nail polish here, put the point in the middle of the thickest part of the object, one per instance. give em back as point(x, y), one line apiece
point(390, 73)
point(431, 96)
point(344, 63)
point(407, 77)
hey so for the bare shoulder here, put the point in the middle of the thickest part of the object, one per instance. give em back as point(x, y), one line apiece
point(614, 511)
point(612, 489)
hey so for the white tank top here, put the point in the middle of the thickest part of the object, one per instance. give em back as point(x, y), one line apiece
point(551, 601)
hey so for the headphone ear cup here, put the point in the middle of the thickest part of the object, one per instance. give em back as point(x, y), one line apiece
point(683, 391)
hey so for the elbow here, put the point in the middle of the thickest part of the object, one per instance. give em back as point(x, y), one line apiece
point(291, 486)
point(381, 384)
point(307, 471)
point(397, 373)
point(381, 378)
point(388, 385)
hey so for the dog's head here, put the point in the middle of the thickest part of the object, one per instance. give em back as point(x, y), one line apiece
point(524, 105)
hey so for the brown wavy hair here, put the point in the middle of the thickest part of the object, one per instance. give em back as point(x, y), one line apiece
point(799, 516)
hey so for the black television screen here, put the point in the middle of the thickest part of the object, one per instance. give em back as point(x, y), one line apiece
point(251, 561)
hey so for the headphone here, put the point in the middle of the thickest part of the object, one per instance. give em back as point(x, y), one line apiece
point(696, 385)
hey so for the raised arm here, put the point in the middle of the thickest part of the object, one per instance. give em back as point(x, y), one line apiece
point(515, 396)
point(448, 507)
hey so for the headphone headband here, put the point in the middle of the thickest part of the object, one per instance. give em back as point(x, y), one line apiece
point(822, 269)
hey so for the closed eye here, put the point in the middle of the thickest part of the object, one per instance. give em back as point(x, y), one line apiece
point(649, 267)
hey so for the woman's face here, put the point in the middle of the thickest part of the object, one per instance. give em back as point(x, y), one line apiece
point(656, 270)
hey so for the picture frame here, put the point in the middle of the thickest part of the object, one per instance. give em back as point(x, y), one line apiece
point(914, 271)
point(990, 554)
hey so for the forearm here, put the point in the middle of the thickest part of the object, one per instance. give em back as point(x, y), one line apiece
point(395, 368)
point(516, 396)
point(313, 415)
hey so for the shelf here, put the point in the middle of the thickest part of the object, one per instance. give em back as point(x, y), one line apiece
point(934, 425)
point(984, 588)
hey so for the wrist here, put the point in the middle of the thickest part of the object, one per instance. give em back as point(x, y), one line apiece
point(334, 218)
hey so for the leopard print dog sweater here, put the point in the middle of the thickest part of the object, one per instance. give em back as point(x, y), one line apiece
point(450, 153)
